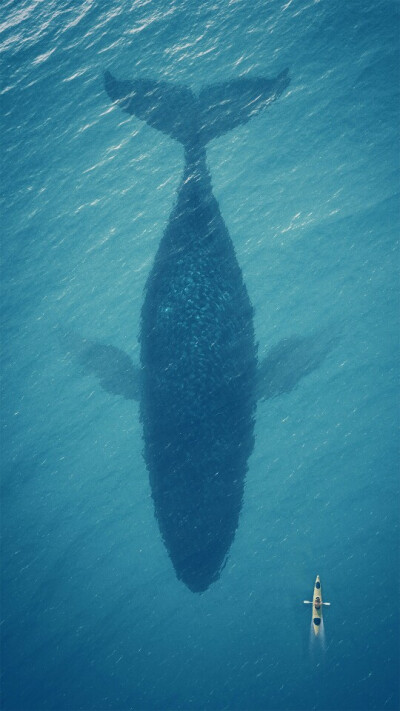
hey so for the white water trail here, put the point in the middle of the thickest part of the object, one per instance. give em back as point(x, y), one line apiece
point(317, 643)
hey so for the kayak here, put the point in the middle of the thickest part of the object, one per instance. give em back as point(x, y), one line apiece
point(317, 605)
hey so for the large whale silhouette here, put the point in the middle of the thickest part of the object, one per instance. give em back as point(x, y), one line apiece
point(198, 378)
point(198, 351)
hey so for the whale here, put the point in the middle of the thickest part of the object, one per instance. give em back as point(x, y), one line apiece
point(198, 351)
point(198, 381)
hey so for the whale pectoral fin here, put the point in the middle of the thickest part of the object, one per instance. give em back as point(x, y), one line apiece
point(289, 361)
point(164, 106)
point(114, 368)
point(229, 104)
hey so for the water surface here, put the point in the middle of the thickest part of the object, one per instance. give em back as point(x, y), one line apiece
point(93, 615)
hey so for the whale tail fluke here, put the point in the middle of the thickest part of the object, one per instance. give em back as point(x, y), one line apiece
point(166, 107)
point(176, 111)
point(230, 104)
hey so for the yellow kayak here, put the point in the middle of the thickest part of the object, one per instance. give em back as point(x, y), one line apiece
point(317, 605)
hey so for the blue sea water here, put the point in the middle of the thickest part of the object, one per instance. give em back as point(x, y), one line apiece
point(93, 616)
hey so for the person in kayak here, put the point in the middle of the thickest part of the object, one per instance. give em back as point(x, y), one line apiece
point(317, 603)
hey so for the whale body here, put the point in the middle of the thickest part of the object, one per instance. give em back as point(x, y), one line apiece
point(198, 350)
point(199, 379)
point(199, 364)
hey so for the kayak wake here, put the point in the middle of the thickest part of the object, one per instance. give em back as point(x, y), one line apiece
point(317, 644)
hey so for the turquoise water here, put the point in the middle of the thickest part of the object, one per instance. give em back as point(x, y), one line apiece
point(93, 616)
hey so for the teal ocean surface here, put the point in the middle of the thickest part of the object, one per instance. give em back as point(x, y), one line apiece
point(96, 612)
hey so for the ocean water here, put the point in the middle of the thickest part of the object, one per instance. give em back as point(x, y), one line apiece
point(93, 615)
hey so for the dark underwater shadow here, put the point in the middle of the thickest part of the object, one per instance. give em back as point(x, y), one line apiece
point(198, 380)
